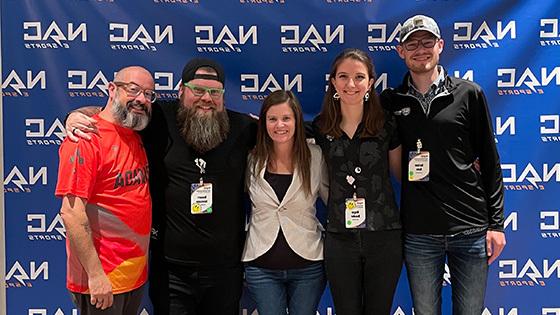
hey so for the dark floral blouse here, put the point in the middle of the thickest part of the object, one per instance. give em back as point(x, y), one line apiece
point(366, 160)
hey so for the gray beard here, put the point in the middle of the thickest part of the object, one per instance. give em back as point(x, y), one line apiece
point(202, 132)
point(128, 119)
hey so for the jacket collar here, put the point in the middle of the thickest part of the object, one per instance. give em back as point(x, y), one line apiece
point(403, 87)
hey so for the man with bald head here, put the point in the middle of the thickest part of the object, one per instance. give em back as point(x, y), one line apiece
point(197, 150)
point(106, 205)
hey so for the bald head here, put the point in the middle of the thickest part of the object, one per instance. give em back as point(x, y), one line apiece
point(130, 98)
point(136, 74)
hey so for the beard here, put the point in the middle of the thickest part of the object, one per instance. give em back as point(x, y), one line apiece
point(423, 67)
point(128, 119)
point(203, 132)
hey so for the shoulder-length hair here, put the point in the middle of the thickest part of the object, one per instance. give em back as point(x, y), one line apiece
point(330, 116)
point(264, 149)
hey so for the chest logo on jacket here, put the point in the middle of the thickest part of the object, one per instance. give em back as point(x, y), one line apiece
point(405, 111)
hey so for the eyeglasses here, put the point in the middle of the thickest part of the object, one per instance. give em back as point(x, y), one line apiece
point(411, 45)
point(201, 90)
point(133, 90)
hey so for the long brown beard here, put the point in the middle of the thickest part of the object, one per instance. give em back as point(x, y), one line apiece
point(202, 132)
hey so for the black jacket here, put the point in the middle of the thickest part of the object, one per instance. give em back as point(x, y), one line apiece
point(455, 131)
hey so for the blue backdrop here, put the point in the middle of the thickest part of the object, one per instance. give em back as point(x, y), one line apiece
point(59, 54)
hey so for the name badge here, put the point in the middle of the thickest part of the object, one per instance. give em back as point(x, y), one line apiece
point(355, 213)
point(201, 198)
point(419, 166)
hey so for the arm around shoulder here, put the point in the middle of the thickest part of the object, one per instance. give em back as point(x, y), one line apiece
point(79, 123)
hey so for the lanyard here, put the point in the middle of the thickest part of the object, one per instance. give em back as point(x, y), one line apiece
point(201, 164)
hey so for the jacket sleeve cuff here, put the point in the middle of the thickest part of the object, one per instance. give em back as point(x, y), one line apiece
point(496, 228)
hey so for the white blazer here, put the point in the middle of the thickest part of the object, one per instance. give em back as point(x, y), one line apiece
point(295, 213)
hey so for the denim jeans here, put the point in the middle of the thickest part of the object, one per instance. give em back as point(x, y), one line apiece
point(296, 290)
point(468, 264)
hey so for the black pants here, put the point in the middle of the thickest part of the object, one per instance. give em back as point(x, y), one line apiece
point(123, 304)
point(363, 269)
point(159, 282)
point(204, 291)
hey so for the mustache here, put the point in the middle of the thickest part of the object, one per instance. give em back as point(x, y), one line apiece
point(143, 107)
point(205, 104)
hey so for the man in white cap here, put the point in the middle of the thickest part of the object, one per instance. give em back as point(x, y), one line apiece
point(449, 208)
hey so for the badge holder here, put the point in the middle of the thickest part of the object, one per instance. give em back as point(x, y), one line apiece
point(418, 164)
point(355, 208)
point(201, 192)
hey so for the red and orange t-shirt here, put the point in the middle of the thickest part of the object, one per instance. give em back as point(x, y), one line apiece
point(111, 172)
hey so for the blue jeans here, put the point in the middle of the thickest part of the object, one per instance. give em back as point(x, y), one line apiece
point(468, 265)
point(297, 290)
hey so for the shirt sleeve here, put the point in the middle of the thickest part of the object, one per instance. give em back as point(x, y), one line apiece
point(324, 185)
point(77, 168)
point(252, 134)
point(391, 121)
point(308, 127)
point(391, 125)
point(485, 149)
point(316, 133)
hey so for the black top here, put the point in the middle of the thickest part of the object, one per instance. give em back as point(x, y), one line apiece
point(280, 255)
point(209, 240)
point(279, 183)
point(455, 131)
point(367, 160)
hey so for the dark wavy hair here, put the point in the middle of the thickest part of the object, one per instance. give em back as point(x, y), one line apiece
point(264, 148)
point(330, 116)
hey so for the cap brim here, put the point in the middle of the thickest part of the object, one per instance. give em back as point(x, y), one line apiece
point(401, 40)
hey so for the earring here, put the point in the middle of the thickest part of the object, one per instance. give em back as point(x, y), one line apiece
point(366, 97)
point(336, 96)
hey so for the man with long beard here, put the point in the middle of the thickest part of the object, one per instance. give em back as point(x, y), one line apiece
point(198, 152)
point(106, 205)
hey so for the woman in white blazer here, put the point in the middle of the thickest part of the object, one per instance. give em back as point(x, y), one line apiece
point(283, 251)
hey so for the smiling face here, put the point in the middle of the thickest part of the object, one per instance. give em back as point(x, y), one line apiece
point(422, 59)
point(281, 123)
point(352, 81)
point(131, 105)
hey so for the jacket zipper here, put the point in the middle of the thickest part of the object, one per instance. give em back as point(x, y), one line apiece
point(427, 111)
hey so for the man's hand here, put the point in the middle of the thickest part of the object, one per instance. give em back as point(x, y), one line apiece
point(79, 126)
point(495, 243)
point(79, 123)
point(101, 291)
